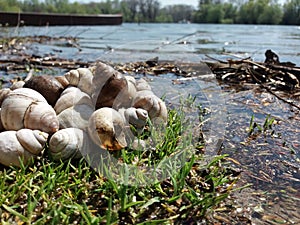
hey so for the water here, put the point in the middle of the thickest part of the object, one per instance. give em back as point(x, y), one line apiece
point(270, 163)
point(172, 41)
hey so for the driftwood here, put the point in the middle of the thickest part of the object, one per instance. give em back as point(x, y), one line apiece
point(20, 63)
point(271, 74)
point(277, 75)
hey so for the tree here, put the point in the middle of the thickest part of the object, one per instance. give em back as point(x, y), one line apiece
point(130, 9)
point(179, 12)
point(272, 14)
point(291, 12)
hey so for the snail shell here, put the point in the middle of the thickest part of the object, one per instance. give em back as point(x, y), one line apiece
point(68, 143)
point(46, 85)
point(142, 85)
point(24, 144)
point(27, 93)
point(17, 84)
point(75, 116)
point(106, 129)
point(26, 108)
point(71, 96)
point(117, 91)
point(74, 108)
point(155, 107)
point(111, 89)
point(136, 117)
point(3, 93)
point(1, 126)
point(81, 78)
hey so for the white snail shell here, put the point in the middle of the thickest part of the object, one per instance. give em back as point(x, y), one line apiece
point(18, 84)
point(3, 93)
point(106, 129)
point(1, 126)
point(155, 107)
point(71, 96)
point(74, 108)
point(81, 78)
point(142, 85)
point(135, 116)
point(75, 116)
point(68, 143)
point(28, 93)
point(26, 108)
point(24, 144)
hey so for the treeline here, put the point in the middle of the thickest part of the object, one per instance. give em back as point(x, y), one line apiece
point(248, 12)
point(208, 11)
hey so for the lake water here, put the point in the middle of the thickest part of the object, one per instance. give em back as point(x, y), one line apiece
point(271, 164)
point(173, 41)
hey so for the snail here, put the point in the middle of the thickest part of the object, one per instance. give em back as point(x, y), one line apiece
point(74, 108)
point(115, 89)
point(75, 116)
point(142, 85)
point(81, 78)
point(26, 108)
point(92, 109)
point(155, 107)
point(68, 143)
point(110, 90)
point(48, 86)
point(17, 84)
point(71, 96)
point(3, 93)
point(1, 126)
point(24, 144)
point(136, 117)
point(106, 129)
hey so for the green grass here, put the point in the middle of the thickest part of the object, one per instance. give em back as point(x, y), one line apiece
point(73, 193)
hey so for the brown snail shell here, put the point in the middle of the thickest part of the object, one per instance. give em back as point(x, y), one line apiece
point(24, 144)
point(110, 90)
point(46, 85)
point(106, 129)
point(118, 90)
point(26, 108)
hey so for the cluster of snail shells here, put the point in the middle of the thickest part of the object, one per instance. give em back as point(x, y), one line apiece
point(87, 106)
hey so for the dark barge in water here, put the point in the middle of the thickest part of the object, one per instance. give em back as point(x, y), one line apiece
point(51, 19)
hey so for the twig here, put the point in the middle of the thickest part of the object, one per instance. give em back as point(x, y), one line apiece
point(270, 91)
